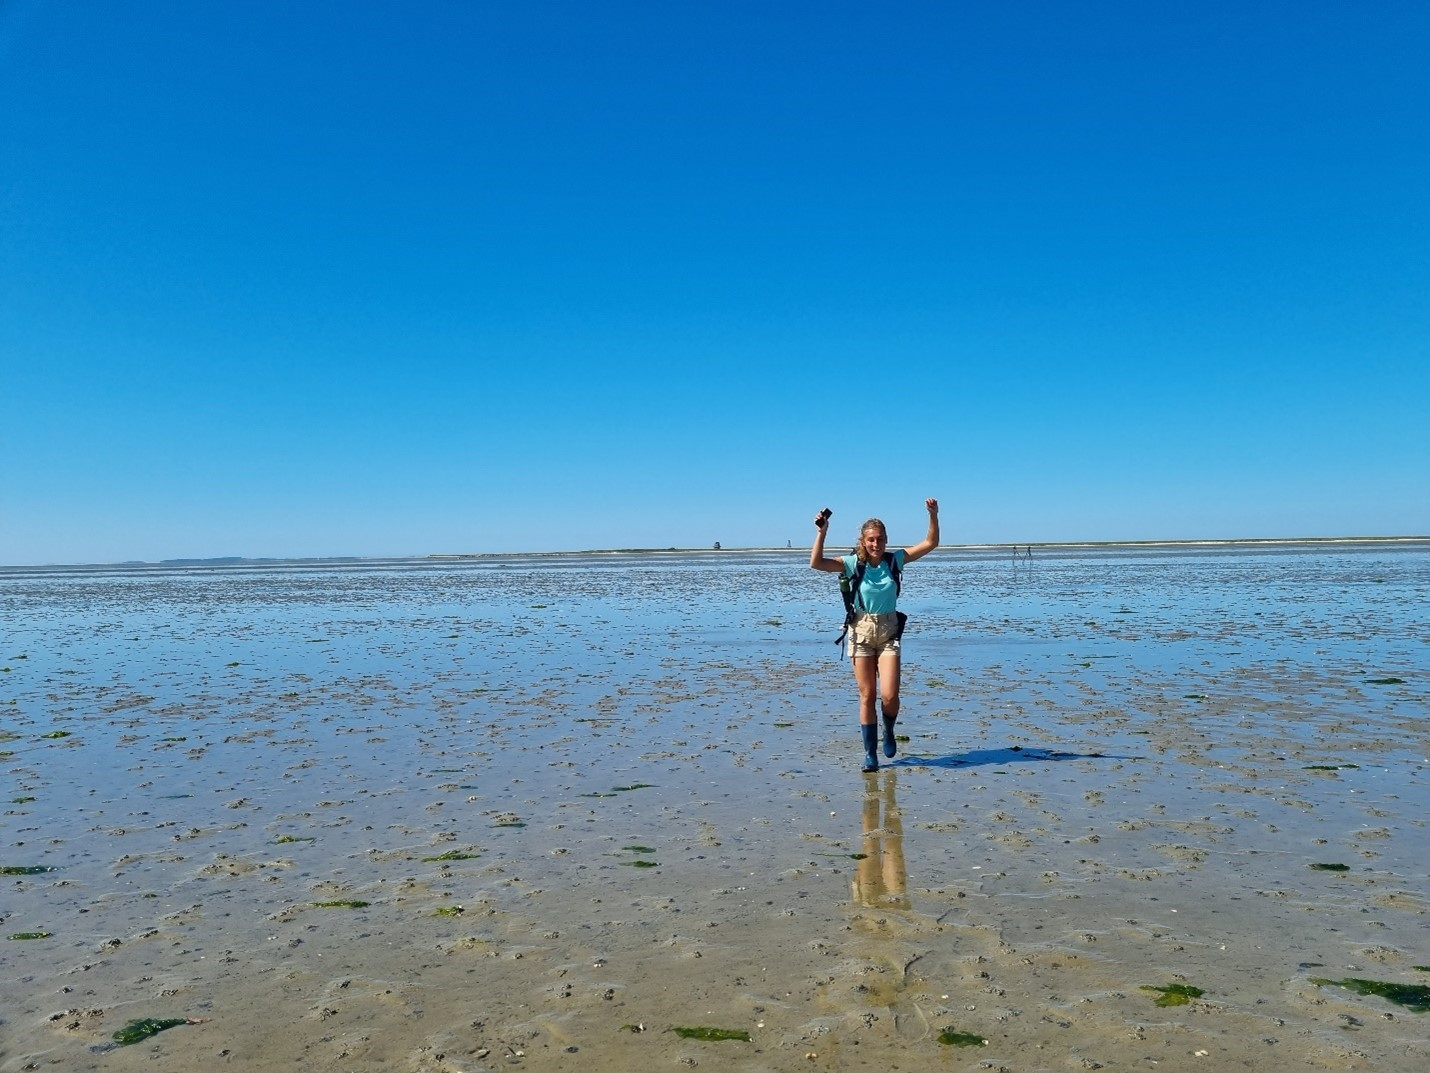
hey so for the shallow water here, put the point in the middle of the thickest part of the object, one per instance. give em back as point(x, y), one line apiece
point(1085, 730)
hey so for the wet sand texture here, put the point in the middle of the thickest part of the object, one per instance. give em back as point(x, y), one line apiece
point(543, 813)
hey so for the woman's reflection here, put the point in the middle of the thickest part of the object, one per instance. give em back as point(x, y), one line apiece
point(880, 878)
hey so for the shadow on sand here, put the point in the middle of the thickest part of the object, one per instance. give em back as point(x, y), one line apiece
point(1014, 754)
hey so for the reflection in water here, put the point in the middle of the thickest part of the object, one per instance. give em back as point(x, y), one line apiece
point(880, 879)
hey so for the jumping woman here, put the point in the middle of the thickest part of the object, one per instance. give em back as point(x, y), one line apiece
point(874, 631)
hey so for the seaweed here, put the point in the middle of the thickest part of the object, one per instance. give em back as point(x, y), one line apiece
point(509, 823)
point(639, 849)
point(453, 855)
point(1414, 997)
point(1385, 681)
point(21, 800)
point(641, 864)
point(1331, 767)
point(24, 869)
point(1175, 994)
point(951, 1037)
point(24, 935)
point(344, 903)
point(1331, 867)
point(56, 734)
point(282, 840)
point(137, 1031)
point(448, 911)
point(622, 789)
point(712, 1035)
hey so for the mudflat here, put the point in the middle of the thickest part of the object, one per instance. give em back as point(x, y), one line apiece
point(1154, 809)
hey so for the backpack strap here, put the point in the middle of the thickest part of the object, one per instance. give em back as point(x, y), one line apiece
point(849, 582)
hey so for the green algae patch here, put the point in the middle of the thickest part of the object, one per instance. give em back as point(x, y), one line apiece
point(24, 869)
point(639, 849)
point(137, 1031)
point(712, 1035)
point(1332, 767)
point(283, 840)
point(457, 854)
point(1175, 994)
point(1414, 997)
point(344, 903)
point(641, 864)
point(952, 1038)
point(782, 726)
point(21, 800)
point(1331, 867)
point(1385, 681)
point(56, 734)
point(622, 789)
point(25, 936)
point(448, 911)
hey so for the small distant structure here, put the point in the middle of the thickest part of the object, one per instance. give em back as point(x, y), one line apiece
point(717, 545)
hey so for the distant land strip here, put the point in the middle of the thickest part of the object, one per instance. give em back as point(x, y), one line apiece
point(439, 558)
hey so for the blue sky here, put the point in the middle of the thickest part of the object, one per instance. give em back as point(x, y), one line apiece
point(383, 279)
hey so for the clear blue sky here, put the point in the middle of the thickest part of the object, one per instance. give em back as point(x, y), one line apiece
point(287, 279)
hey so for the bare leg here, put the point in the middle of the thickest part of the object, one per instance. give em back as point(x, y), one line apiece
point(866, 676)
point(889, 684)
point(889, 698)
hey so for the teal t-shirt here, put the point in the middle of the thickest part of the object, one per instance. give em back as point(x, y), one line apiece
point(877, 593)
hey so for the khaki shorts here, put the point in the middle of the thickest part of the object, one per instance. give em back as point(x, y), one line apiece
point(873, 635)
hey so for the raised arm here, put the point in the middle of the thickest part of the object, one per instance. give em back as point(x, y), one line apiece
point(928, 543)
point(817, 559)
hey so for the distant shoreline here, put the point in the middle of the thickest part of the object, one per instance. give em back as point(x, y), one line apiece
point(241, 562)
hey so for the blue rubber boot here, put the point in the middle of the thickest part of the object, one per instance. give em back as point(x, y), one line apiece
point(891, 746)
point(871, 743)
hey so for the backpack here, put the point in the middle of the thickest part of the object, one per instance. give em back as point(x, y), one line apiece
point(849, 590)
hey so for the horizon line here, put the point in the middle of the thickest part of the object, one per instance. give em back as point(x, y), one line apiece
point(237, 560)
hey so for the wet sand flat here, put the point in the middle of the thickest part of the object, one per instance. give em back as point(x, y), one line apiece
point(543, 813)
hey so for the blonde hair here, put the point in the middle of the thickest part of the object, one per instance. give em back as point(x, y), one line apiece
point(871, 523)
